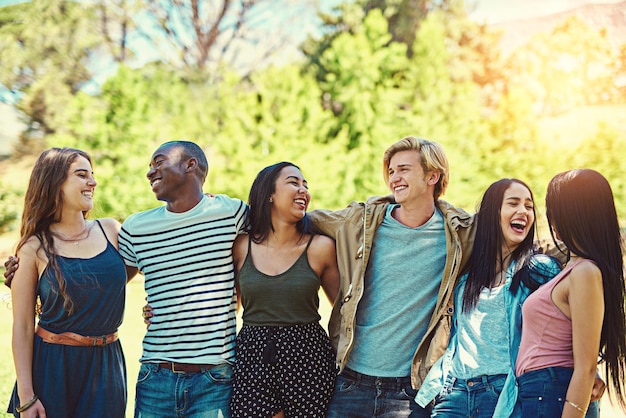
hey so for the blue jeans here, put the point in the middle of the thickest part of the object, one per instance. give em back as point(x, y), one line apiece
point(162, 393)
point(542, 393)
point(361, 396)
point(476, 397)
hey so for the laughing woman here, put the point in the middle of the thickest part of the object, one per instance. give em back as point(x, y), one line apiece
point(475, 377)
point(478, 364)
point(71, 364)
point(580, 313)
point(285, 366)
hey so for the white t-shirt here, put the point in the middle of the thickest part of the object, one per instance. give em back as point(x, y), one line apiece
point(187, 262)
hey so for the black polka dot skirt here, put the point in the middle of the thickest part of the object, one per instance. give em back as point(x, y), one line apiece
point(283, 368)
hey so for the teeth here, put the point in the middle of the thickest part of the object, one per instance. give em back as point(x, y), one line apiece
point(398, 188)
point(88, 194)
point(300, 201)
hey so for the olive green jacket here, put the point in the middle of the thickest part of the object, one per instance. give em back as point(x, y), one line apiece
point(353, 230)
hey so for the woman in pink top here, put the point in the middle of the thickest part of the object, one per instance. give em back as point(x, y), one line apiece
point(580, 313)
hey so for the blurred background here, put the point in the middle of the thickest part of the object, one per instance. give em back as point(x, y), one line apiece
point(515, 88)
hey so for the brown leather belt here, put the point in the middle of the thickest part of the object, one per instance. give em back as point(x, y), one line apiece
point(185, 367)
point(70, 338)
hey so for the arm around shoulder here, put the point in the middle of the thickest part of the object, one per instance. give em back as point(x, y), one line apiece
point(329, 222)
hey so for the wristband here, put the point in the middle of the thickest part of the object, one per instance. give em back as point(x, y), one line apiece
point(27, 405)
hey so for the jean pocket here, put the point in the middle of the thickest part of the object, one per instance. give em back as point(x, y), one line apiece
point(345, 385)
point(409, 392)
point(144, 372)
point(222, 373)
point(495, 389)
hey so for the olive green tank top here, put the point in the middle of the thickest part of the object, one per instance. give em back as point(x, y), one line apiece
point(290, 298)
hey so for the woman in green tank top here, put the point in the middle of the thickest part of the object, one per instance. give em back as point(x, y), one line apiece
point(285, 365)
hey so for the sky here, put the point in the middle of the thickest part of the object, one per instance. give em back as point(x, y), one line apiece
point(492, 11)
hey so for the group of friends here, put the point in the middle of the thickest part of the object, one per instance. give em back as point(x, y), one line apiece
point(428, 300)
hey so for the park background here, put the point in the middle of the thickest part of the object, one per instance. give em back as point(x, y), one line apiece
point(516, 88)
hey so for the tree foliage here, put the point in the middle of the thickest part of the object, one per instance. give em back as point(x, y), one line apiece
point(44, 46)
point(375, 76)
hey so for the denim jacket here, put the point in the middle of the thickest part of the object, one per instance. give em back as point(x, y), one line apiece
point(505, 407)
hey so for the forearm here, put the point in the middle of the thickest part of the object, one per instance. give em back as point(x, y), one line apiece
point(579, 392)
point(22, 346)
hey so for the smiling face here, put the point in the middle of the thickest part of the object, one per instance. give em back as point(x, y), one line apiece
point(78, 188)
point(167, 172)
point(516, 216)
point(291, 195)
point(407, 180)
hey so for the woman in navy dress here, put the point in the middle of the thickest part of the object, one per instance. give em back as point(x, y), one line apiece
point(69, 364)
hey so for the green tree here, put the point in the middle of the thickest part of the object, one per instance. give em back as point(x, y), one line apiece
point(276, 115)
point(363, 88)
point(135, 112)
point(117, 26)
point(43, 56)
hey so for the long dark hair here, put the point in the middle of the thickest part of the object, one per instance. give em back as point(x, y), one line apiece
point(259, 221)
point(581, 209)
point(43, 205)
point(488, 246)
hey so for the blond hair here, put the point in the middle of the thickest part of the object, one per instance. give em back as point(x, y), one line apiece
point(432, 156)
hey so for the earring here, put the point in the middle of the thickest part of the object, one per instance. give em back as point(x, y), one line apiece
point(271, 200)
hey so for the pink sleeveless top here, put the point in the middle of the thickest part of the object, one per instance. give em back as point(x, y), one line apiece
point(546, 331)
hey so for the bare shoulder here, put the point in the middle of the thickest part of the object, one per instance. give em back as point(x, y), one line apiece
point(240, 250)
point(322, 244)
point(111, 228)
point(110, 224)
point(240, 246)
point(31, 254)
point(585, 270)
point(31, 248)
point(585, 280)
point(241, 240)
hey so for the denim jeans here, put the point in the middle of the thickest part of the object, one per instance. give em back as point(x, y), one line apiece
point(162, 393)
point(476, 397)
point(542, 393)
point(361, 396)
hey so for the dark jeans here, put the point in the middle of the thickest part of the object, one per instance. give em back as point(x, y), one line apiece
point(361, 396)
point(542, 392)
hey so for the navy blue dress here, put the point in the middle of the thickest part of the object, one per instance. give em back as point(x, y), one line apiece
point(81, 381)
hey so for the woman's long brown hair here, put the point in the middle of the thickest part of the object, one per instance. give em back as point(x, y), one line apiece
point(43, 205)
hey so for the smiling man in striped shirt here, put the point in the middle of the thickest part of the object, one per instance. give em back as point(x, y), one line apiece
point(184, 250)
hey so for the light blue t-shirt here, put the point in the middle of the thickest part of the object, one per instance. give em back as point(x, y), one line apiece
point(401, 286)
point(482, 338)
